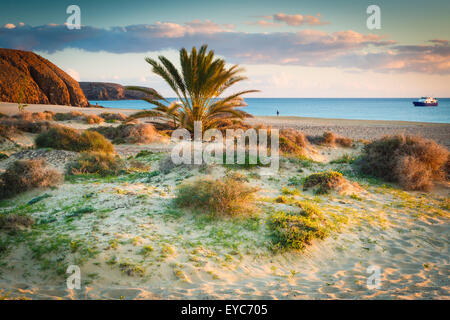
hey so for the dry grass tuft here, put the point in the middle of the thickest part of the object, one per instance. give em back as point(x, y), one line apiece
point(7, 129)
point(292, 142)
point(15, 221)
point(104, 164)
point(108, 116)
point(331, 139)
point(28, 116)
point(11, 126)
point(93, 119)
point(64, 138)
point(295, 136)
point(130, 133)
point(68, 116)
point(413, 162)
point(228, 196)
point(23, 175)
point(234, 124)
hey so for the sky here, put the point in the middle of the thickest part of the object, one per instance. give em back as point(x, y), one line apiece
point(298, 48)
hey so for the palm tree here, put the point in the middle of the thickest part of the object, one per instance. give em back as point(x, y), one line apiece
point(199, 86)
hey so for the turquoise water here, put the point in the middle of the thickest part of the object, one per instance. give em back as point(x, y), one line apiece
point(339, 108)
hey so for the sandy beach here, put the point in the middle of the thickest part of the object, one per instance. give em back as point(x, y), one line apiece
point(132, 244)
point(355, 129)
point(217, 154)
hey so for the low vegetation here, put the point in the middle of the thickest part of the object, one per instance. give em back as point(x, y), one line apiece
point(103, 164)
point(324, 182)
point(64, 138)
point(68, 116)
point(295, 230)
point(93, 119)
point(11, 126)
point(29, 116)
point(129, 133)
point(346, 158)
point(331, 139)
point(15, 221)
point(412, 161)
point(229, 196)
point(109, 116)
point(291, 142)
point(23, 175)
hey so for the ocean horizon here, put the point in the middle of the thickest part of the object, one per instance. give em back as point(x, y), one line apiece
point(396, 109)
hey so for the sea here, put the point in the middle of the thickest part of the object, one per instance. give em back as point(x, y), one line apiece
point(334, 108)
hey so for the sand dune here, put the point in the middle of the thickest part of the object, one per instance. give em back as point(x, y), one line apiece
point(405, 234)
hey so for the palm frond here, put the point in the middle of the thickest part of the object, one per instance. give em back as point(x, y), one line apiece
point(198, 85)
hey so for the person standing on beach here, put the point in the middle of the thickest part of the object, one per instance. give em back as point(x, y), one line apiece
point(278, 113)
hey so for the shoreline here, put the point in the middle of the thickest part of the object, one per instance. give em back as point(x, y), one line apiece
point(352, 128)
point(10, 108)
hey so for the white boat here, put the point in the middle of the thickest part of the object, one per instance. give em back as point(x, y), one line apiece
point(426, 102)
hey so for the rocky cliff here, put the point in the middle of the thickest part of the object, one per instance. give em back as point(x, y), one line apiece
point(26, 77)
point(110, 91)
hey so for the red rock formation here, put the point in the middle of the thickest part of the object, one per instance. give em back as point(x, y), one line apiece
point(26, 77)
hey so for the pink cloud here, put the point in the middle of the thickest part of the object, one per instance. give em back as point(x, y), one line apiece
point(297, 20)
point(263, 23)
point(175, 30)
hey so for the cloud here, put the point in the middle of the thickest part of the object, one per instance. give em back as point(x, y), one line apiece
point(297, 20)
point(293, 20)
point(440, 41)
point(9, 26)
point(263, 23)
point(73, 73)
point(343, 49)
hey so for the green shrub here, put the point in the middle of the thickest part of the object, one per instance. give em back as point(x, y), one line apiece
point(103, 164)
point(413, 162)
point(324, 181)
point(227, 196)
point(346, 158)
point(64, 138)
point(95, 142)
point(23, 175)
point(296, 230)
point(281, 199)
